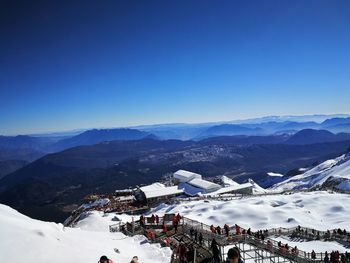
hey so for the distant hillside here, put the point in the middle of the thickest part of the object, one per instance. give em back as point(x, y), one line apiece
point(15, 144)
point(96, 136)
point(309, 136)
point(337, 125)
point(335, 121)
point(229, 130)
point(245, 140)
point(20, 154)
point(10, 166)
point(26, 142)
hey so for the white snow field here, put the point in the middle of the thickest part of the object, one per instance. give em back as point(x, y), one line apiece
point(337, 169)
point(23, 239)
point(317, 246)
point(321, 210)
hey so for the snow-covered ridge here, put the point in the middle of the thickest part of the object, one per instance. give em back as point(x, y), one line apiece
point(31, 241)
point(336, 170)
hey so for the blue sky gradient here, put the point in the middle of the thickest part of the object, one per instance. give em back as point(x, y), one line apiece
point(90, 64)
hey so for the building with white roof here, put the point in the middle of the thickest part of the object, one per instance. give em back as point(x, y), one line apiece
point(158, 192)
point(182, 176)
point(205, 185)
point(246, 188)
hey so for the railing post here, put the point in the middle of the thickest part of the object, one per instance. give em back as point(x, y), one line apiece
point(133, 225)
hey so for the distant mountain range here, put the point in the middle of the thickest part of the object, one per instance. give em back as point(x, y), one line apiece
point(39, 146)
point(275, 129)
point(255, 127)
point(47, 187)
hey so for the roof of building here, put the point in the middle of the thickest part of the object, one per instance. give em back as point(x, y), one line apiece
point(191, 190)
point(203, 184)
point(186, 174)
point(231, 188)
point(159, 190)
point(152, 187)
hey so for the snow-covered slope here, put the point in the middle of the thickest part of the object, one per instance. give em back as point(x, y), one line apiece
point(31, 241)
point(320, 209)
point(336, 170)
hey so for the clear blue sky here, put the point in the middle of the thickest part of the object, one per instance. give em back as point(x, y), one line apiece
point(82, 64)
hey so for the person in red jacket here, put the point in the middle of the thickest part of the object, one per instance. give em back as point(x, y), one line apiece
point(142, 221)
point(167, 241)
point(178, 217)
point(238, 229)
point(174, 220)
point(104, 259)
point(165, 230)
point(181, 252)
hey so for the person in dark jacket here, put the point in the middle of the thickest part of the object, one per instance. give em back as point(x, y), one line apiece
point(216, 251)
point(218, 230)
point(234, 256)
point(326, 258)
point(200, 238)
point(313, 255)
point(192, 232)
point(227, 229)
point(104, 259)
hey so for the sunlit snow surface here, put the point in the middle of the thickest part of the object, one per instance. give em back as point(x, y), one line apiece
point(27, 240)
point(23, 239)
point(321, 210)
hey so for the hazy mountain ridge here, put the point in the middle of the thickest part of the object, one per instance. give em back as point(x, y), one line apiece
point(43, 188)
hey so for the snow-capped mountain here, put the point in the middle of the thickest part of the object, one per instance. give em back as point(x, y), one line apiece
point(27, 240)
point(331, 173)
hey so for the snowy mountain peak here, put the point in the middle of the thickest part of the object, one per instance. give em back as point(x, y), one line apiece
point(331, 173)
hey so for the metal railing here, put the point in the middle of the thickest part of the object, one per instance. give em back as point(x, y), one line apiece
point(266, 244)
